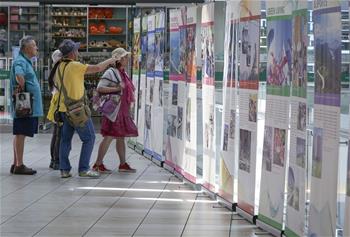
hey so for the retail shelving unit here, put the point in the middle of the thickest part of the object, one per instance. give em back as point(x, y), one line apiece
point(107, 28)
point(69, 22)
point(23, 21)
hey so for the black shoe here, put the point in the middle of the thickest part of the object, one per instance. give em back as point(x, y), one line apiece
point(22, 169)
point(12, 169)
point(55, 165)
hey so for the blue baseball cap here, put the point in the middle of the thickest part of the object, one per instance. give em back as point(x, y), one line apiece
point(68, 46)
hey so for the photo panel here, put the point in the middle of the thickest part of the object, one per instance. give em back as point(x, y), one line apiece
point(245, 150)
point(317, 155)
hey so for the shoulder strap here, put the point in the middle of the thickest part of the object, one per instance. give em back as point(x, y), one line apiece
point(61, 80)
point(116, 75)
point(107, 79)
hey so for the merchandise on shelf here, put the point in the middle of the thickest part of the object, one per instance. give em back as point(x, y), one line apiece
point(106, 28)
point(70, 23)
point(23, 21)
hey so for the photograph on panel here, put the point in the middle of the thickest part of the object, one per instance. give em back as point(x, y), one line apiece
point(301, 152)
point(301, 123)
point(151, 90)
point(159, 62)
point(175, 53)
point(160, 93)
point(253, 100)
point(225, 138)
point(136, 51)
point(183, 53)
point(171, 127)
point(279, 146)
point(174, 94)
point(300, 42)
point(249, 53)
point(144, 52)
point(267, 148)
point(245, 138)
point(188, 120)
point(279, 58)
point(232, 123)
point(191, 52)
point(179, 122)
point(208, 52)
point(317, 155)
point(151, 53)
point(293, 190)
point(327, 53)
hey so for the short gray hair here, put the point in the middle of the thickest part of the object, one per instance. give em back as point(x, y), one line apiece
point(23, 43)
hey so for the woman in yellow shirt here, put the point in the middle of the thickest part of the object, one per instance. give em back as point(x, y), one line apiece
point(56, 135)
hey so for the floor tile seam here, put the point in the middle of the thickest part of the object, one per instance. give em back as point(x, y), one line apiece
point(30, 182)
point(24, 186)
point(32, 203)
point(188, 217)
point(232, 213)
point(154, 203)
point(120, 197)
point(73, 203)
point(32, 163)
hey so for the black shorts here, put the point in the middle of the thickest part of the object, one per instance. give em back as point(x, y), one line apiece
point(25, 126)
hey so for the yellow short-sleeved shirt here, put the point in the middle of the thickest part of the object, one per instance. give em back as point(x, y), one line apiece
point(73, 80)
point(53, 107)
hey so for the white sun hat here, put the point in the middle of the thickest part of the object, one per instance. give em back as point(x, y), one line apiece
point(56, 56)
point(118, 53)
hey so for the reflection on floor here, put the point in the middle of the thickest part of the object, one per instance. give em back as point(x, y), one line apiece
point(151, 202)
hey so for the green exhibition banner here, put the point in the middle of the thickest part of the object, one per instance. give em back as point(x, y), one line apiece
point(278, 79)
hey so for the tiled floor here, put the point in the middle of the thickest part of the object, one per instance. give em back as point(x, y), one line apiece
point(151, 202)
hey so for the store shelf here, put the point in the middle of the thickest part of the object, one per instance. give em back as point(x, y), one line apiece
point(24, 30)
point(71, 27)
point(70, 37)
point(107, 19)
point(24, 14)
point(23, 22)
point(70, 23)
point(106, 34)
point(101, 47)
point(69, 16)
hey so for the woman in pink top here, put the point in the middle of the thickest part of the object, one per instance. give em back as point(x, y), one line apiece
point(115, 80)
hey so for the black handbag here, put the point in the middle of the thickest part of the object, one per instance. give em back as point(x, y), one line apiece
point(23, 104)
